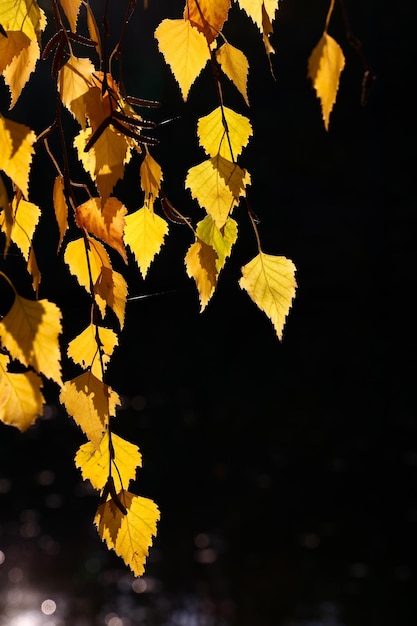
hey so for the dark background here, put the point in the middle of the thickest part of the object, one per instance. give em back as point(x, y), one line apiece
point(285, 472)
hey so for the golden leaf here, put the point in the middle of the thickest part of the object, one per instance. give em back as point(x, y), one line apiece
point(21, 399)
point(94, 462)
point(85, 351)
point(201, 264)
point(74, 83)
point(217, 184)
point(24, 218)
point(91, 403)
point(17, 73)
point(207, 16)
point(130, 534)
point(270, 282)
point(4, 205)
point(60, 208)
point(236, 67)
point(185, 50)
point(221, 240)
point(24, 15)
point(105, 221)
point(150, 178)
point(33, 269)
point(71, 9)
point(11, 46)
point(212, 134)
point(325, 65)
point(111, 290)
point(144, 234)
point(29, 332)
point(253, 8)
point(76, 258)
point(17, 140)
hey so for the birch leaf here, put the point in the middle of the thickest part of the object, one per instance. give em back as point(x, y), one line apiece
point(325, 65)
point(83, 349)
point(236, 67)
point(207, 16)
point(212, 135)
point(104, 220)
point(130, 535)
point(270, 282)
point(21, 399)
point(201, 264)
point(144, 234)
point(60, 208)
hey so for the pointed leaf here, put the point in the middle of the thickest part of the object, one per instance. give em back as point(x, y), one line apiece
point(75, 79)
point(60, 208)
point(212, 134)
point(94, 462)
point(24, 216)
point(325, 65)
point(236, 67)
point(144, 234)
point(201, 264)
point(30, 331)
point(71, 10)
point(83, 350)
point(270, 282)
point(18, 72)
point(24, 15)
point(76, 258)
point(17, 140)
point(128, 535)
point(91, 403)
point(21, 399)
point(111, 290)
point(104, 220)
point(221, 240)
point(185, 50)
point(207, 16)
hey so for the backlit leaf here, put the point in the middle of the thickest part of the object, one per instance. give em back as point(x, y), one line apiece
point(150, 178)
point(60, 208)
point(110, 290)
point(104, 220)
point(94, 462)
point(270, 282)
point(325, 65)
point(71, 9)
point(217, 184)
point(84, 351)
point(185, 50)
point(21, 399)
point(91, 403)
point(221, 240)
point(25, 216)
point(11, 46)
point(212, 134)
point(207, 16)
point(24, 15)
point(76, 258)
point(130, 535)
point(74, 82)
point(17, 141)
point(30, 331)
point(236, 67)
point(144, 234)
point(17, 73)
point(201, 264)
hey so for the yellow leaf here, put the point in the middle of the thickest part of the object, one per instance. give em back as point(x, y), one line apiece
point(74, 82)
point(217, 184)
point(111, 290)
point(254, 9)
point(60, 208)
point(221, 240)
point(17, 73)
point(24, 15)
point(185, 50)
point(30, 331)
point(201, 264)
point(84, 349)
point(130, 534)
point(21, 399)
point(105, 221)
point(24, 218)
point(144, 234)
point(207, 16)
point(150, 178)
point(17, 140)
point(71, 9)
point(91, 403)
point(11, 46)
point(33, 269)
point(4, 204)
point(212, 134)
point(270, 7)
point(106, 158)
point(236, 67)
point(325, 65)
point(76, 258)
point(94, 462)
point(93, 28)
point(270, 282)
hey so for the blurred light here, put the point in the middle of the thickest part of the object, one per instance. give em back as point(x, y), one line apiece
point(310, 540)
point(2, 557)
point(48, 607)
point(201, 540)
point(139, 585)
point(15, 575)
point(54, 501)
point(28, 618)
point(45, 477)
point(5, 485)
point(206, 556)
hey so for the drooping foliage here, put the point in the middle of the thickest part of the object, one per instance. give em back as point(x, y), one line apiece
point(111, 130)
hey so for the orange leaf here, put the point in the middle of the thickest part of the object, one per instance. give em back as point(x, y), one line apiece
point(207, 16)
point(60, 208)
point(106, 222)
point(21, 399)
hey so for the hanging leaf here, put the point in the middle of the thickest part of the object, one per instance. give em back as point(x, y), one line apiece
point(207, 16)
point(84, 350)
point(144, 234)
point(325, 65)
point(215, 140)
point(130, 534)
point(104, 220)
point(236, 67)
point(270, 282)
point(21, 399)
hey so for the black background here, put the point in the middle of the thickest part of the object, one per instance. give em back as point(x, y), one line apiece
point(292, 465)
